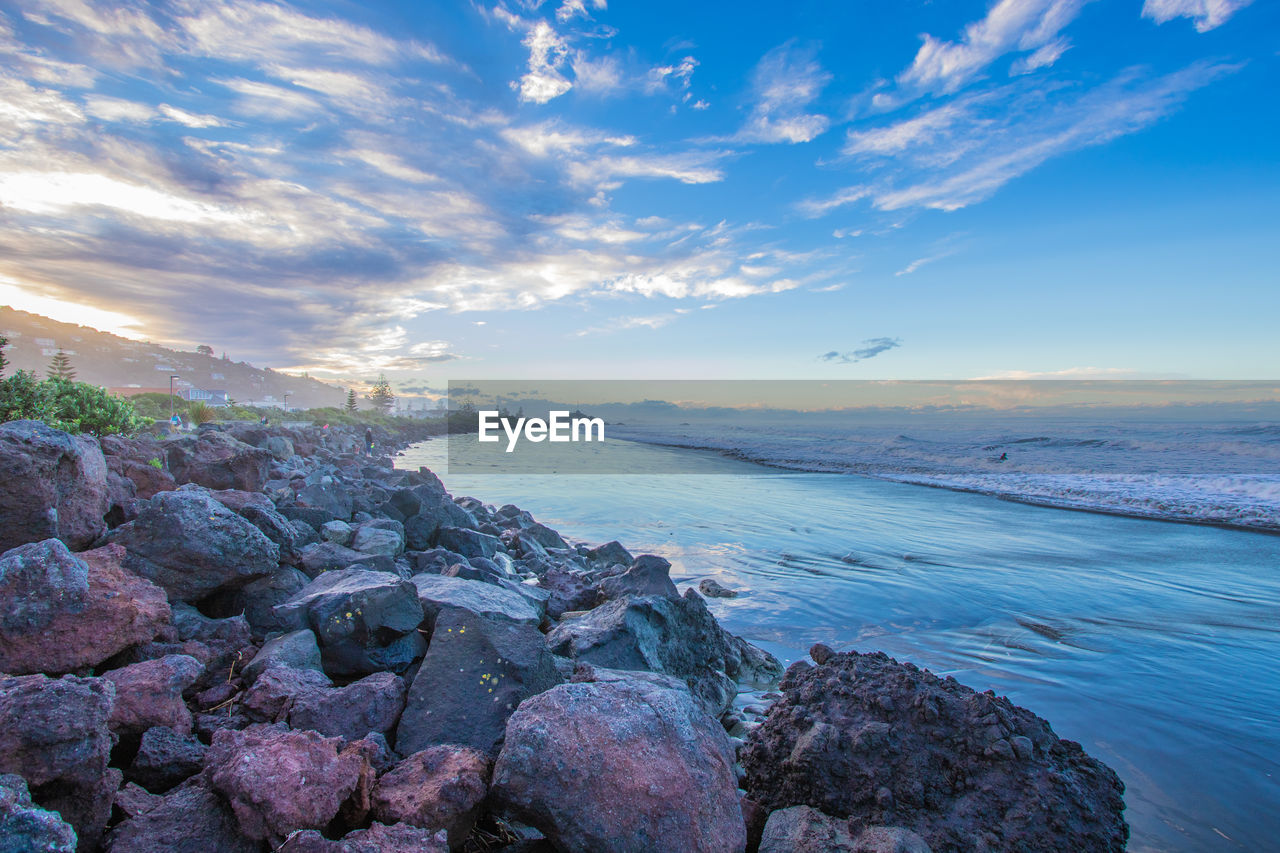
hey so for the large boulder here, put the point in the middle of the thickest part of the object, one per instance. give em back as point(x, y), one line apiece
point(475, 673)
point(54, 733)
point(439, 593)
point(440, 787)
point(191, 545)
point(27, 828)
point(190, 819)
point(215, 460)
point(364, 621)
point(676, 636)
point(620, 768)
point(278, 781)
point(881, 743)
point(61, 611)
point(149, 693)
point(52, 486)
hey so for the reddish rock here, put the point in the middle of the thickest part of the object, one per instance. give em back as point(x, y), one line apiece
point(61, 611)
point(150, 694)
point(133, 800)
point(372, 704)
point(440, 787)
point(190, 819)
point(614, 767)
point(278, 781)
point(132, 458)
point(215, 460)
point(52, 486)
point(53, 733)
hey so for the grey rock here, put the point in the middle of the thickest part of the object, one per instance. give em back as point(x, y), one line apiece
point(190, 545)
point(27, 828)
point(469, 543)
point(165, 759)
point(297, 649)
point(475, 673)
point(364, 621)
point(647, 575)
point(438, 593)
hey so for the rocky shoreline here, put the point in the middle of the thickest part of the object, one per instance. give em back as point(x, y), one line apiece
point(261, 639)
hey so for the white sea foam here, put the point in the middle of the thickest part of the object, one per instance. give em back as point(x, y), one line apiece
point(1217, 473)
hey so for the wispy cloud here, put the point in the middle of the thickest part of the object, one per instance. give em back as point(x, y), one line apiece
point(960, 153)
point(1207, 14)
point(1010, 26)
point(870, 348)
point(785, 82)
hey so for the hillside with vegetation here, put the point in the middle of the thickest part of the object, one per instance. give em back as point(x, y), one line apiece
point(132, 367)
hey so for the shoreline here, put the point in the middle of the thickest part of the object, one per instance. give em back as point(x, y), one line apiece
point(1272, 529)
point(430, 667)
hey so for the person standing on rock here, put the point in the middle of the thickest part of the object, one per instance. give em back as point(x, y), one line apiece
point(368, 441)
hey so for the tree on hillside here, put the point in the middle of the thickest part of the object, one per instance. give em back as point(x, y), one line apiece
point(205, 350)
point(60, 367)
point(4, 362)
point(351, 400)
point(381, 396)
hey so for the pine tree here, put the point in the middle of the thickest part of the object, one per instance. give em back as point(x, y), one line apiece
point(381, 396)
point(4, 362)
point(351, 400)
point(60, 367)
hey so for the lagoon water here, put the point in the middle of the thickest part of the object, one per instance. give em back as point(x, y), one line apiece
point(1154, 644)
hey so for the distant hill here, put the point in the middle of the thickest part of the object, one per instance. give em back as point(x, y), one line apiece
point(129, 367)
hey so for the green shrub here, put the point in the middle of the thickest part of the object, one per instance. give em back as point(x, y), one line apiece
point(201, 413)
point(74, 407)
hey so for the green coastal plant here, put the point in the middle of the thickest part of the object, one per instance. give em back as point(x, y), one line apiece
point(74, 407)
point(201, 413)
point(155, 463)
point(60, 367)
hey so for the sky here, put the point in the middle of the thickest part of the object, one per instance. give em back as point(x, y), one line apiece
point(594, 189)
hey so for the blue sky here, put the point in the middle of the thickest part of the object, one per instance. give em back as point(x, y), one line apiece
point(575, 189)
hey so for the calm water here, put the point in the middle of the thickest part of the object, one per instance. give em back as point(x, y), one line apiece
point(1154, 644)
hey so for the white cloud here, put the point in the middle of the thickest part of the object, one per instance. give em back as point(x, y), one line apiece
point(195, 120)
point(270, 101)
point(547, 53)
point(56, 192)
point(823, 206)
point(117, 109)
point(923, 129)
point(1207, 14)
point(784, 83)
point(603, 76)
point(577, 8)
point(1010, 25)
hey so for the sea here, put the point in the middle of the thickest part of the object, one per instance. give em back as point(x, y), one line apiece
point(1120, 580)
